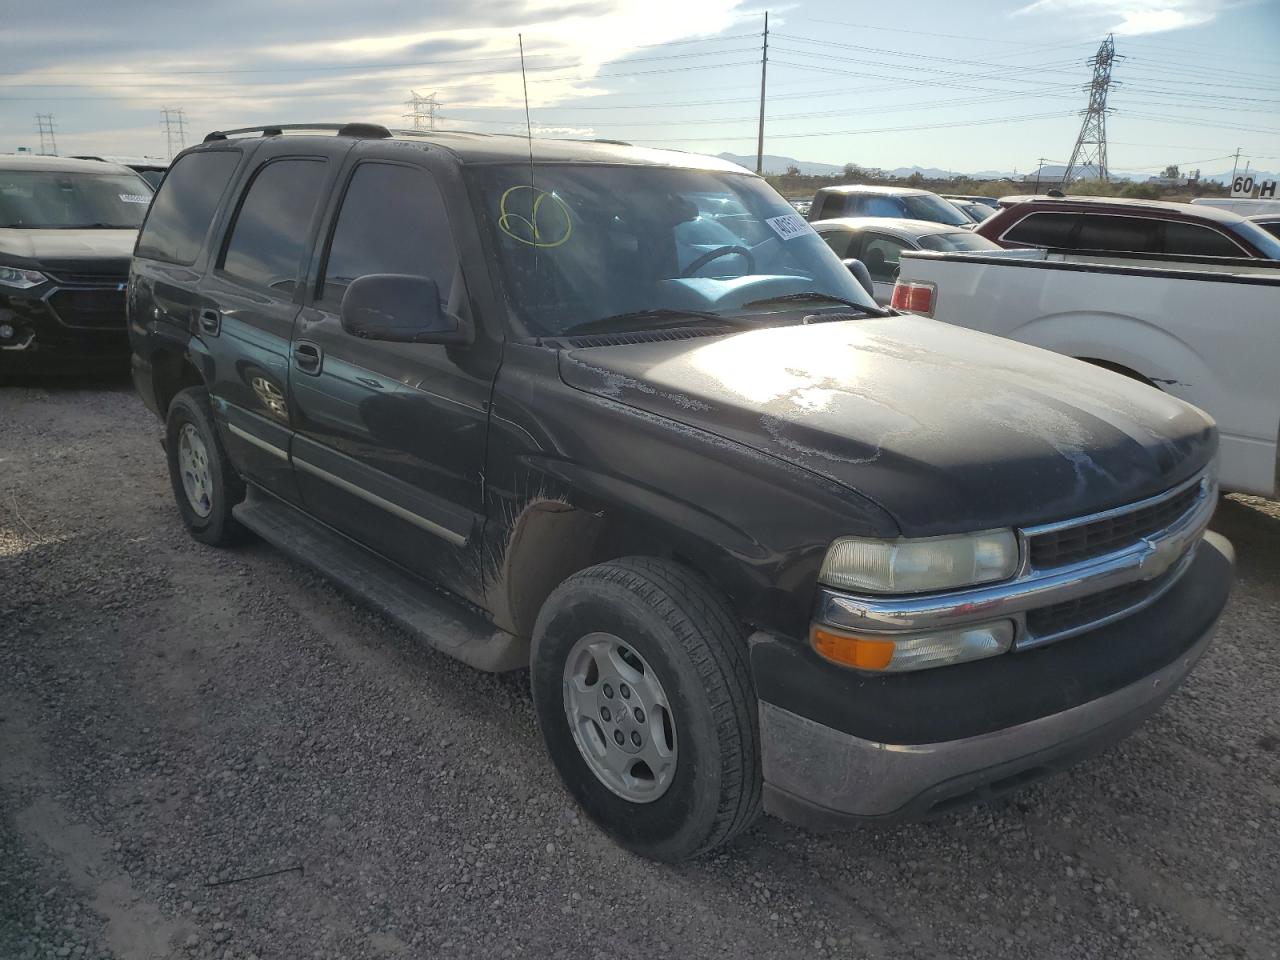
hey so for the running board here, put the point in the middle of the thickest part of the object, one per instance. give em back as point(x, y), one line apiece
point(416, 606)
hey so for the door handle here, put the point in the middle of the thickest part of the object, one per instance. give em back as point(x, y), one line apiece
point(211, 321)
point(307, 357)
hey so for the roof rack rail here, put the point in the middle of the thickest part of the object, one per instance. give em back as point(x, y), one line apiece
point(362, 131)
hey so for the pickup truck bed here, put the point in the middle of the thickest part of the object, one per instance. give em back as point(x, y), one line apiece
point(1207, 332)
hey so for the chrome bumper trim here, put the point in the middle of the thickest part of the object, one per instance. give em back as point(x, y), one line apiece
point(856, 778)
point(1148, 559)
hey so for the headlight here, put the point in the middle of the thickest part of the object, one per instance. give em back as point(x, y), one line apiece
point(19, 278)
point(920, 566)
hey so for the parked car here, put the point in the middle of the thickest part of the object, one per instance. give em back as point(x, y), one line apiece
point(1130, 226)
point(1199, 330)
point(879, 241)
point(991, 202)
point(67, 229)
point(899, 203)
point(1269, 222)
point(151, 169)
point(1244, 206)
point(801, 207)
point(759, 541)
point(976, 212)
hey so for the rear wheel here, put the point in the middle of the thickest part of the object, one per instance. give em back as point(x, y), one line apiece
point(205, 485)
point(644, 698)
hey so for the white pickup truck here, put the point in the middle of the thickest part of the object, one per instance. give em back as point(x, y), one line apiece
point(1206, 331)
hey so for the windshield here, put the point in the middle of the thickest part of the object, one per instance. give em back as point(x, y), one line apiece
point(928, 206)
point(588, 243)
point(63, 199)
point(960, 240)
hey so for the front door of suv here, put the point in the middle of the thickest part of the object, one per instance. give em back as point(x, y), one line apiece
point(248, 303)
point(390, 437)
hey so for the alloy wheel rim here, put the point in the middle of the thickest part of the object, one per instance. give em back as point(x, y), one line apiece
point(193, 467)
point(620, 717)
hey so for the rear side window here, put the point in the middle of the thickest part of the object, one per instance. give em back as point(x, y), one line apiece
point(1194, 240)
point(1043, 230)
point(272, 225)
point(392, 221)
point(183, 209)
point(1119, 234)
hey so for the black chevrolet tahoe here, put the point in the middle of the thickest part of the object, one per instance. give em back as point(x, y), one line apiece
point(67, 230)
point(619, 416)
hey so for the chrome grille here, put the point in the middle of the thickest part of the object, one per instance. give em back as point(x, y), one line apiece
point(1066, 544)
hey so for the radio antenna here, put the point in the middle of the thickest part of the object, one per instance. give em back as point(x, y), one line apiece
point(528, 124)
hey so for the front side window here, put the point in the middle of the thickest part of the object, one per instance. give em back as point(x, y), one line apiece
point(874, 205)
point(392, 221)
point(840, 242)
point(183, 209)
point(71, 200)
point(271, 228)
point(881, 255)
point(1192, 239)
point(584, 244)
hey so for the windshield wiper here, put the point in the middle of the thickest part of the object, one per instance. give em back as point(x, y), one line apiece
point(672, 316)
point(817, 295)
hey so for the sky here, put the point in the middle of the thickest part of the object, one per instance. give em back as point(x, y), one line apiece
point(984, 85)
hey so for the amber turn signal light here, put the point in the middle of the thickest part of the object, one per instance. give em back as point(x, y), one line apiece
point(857, 652)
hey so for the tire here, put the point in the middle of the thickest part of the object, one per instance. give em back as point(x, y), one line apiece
point(207, 517)
point(670, 621)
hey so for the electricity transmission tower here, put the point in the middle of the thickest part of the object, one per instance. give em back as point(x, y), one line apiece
point(175, 129)
point(44, 126)
point(1091, 144)
point(423, 110)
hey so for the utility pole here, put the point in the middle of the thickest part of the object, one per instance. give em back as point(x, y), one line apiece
point(764, 66)
point(1091, 144)
point(1038, 169)
point(422, 110)
point(1234, 165)
point(44, 126)
point(175, 129)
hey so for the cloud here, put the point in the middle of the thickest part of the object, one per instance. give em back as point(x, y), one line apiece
point(1132, 17)
point(112, 66)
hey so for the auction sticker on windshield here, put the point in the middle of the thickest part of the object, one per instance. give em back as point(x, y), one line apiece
point(789, 225)
point(135, 198)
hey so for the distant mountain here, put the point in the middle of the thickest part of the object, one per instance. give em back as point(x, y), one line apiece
point(775, 164)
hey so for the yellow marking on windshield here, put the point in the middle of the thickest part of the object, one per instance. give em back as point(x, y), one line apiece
point(527, 229)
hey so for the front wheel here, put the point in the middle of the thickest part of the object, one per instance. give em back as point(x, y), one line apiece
point(644, 697)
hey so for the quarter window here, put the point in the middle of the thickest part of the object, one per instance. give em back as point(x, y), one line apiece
point(271, 228)
point(1043, 230)
point(183, 209)
point(392, 221)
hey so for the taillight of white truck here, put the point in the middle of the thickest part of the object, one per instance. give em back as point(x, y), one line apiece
point(914, 296)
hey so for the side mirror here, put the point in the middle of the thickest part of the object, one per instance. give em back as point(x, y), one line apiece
point(861, 274)
point(401, 309)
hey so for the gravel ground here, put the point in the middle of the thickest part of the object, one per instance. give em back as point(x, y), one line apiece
point(210, 753)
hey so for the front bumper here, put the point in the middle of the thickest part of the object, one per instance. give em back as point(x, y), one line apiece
point(62, 327)
point(903, 747)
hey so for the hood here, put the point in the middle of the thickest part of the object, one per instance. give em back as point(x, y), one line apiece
point(46, 245)
point(947, 429)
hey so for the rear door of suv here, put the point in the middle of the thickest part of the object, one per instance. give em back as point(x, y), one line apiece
point(248, 300)
point(390, 439)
